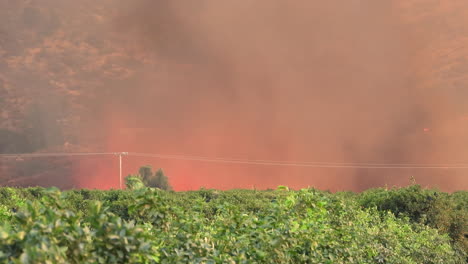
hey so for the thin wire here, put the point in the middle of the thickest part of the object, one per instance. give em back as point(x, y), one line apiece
point(253, 162)
point(299, 162)
point(44, 155)
point(295, 164)
point(34, 155)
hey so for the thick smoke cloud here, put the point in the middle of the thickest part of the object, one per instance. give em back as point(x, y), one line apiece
point(335, 81)
point(281, 80)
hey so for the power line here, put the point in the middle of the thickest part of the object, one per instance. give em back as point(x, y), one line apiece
point(294, 162)
point(250, 162)
point(337, 165)
point(38, 155)
point(306, 164)
point(42, 155)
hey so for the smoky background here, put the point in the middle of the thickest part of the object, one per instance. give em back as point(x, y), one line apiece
point(355, 81)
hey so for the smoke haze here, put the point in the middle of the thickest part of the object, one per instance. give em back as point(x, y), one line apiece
point(335, 81)
point(302, 80)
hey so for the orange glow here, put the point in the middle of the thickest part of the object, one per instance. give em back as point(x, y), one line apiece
point(299, 81)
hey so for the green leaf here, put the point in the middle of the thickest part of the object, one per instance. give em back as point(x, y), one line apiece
point(24, 258)
point(3, 234)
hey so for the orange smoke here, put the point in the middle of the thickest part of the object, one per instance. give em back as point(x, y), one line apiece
point(298, 80)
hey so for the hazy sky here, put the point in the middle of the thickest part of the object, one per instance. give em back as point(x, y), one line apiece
point(337, 81)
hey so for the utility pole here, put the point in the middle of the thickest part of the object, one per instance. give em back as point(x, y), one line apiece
point(120, 154)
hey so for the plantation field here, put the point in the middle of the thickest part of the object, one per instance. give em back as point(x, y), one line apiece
point(407, 225)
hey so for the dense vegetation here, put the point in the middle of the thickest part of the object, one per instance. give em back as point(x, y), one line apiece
point(146, 178)
point(408, 225)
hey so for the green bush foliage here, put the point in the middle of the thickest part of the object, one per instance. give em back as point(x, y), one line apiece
point(46, 231)
point(238, 226)
point(146, 178)
point(159, 180)
point(133, 182)
point(447, 213)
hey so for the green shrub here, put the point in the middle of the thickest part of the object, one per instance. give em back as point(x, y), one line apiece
point(447, 213)
point(412, 202)
point(133, 182)
point(238, 226)
point(46, 232)
point(145, 175)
